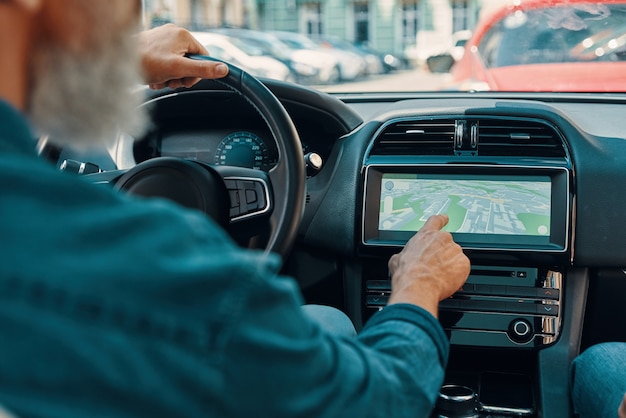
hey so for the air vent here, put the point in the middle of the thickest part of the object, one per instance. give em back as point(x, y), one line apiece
point(425, 137)
point(518, 137)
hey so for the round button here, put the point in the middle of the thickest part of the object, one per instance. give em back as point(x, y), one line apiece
point(520, 331)
point(521, 328)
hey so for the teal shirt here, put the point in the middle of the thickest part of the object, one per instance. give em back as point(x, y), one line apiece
point(112, 306)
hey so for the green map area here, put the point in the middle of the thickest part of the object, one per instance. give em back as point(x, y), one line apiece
point(473, 206)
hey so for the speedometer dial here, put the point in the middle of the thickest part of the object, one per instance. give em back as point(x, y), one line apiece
point(244, 149)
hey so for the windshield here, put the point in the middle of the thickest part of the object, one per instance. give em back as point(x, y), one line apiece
point(419, 45)
point(562, 34)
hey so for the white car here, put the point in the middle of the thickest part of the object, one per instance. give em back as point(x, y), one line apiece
point(307, 51)
point(243, 55)
point(352, 62)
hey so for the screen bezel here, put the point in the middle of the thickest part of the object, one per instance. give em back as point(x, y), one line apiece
point(559, 213)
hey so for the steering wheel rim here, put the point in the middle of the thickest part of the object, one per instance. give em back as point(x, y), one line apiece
point(286, 178)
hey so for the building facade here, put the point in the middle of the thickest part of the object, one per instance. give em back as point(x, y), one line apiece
point(414, 28)
point(199, 14)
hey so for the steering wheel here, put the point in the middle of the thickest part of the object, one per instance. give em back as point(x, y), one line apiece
point(260, 210)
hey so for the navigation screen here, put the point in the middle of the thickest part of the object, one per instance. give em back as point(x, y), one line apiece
point(506, 206)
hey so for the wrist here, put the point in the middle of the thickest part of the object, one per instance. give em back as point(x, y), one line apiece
point(420, 296)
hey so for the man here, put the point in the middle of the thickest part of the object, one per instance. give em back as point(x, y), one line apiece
point(113, 306)
point(599, 381)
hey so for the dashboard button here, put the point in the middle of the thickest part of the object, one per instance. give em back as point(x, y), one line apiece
point(377, 300)
point(520, 331)
point(547, 293)
point(549, 310)
point(379, 285)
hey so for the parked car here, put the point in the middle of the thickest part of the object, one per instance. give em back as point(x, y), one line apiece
point(369, 62)
point(245, 56)
point(390, 62)
point(538, 45)
point(338, 67)
point(305, 65)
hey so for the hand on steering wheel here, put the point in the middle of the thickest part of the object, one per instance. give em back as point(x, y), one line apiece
point(240, 199)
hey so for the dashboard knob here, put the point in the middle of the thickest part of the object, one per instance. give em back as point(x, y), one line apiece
point(520, 331)
point(313, 161)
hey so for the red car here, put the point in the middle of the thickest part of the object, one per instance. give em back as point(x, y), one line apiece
point(547, 45)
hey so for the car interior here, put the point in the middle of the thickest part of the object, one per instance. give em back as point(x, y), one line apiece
point(337, 183)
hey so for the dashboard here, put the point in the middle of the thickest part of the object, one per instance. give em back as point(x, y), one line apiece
point(532, 184)
point(223, 129)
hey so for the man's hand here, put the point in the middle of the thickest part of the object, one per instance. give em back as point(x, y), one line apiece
point(622, 408)
point(430, 268)
point(162, 52)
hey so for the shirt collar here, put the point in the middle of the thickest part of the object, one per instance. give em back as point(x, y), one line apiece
point(16, 135)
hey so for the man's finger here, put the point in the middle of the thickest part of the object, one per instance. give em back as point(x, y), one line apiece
point(202, 69)
point(435, 223)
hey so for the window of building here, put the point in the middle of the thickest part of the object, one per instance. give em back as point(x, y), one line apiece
point(460, 15)
point(311, 19)
point(361, 23)
point(197, 15)
point(410, 22)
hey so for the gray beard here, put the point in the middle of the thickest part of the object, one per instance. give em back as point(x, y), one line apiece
point(82, 100)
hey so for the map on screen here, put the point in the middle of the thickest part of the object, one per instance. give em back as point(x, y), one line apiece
point(474, 206)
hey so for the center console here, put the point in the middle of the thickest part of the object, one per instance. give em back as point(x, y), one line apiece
point(497, 307)
point(511, 214)
point(494, 212)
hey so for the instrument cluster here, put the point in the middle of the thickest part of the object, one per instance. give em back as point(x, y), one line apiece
point(241, 148)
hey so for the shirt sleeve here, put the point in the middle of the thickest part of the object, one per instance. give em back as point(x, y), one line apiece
point(281, 364)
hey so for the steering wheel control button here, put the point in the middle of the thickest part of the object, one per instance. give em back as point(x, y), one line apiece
point(251, 196)
point(247, 196)
point(234, 198)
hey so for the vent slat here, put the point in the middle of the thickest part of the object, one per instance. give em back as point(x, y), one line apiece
point(495, 137)
point(416, 138)
point(518, 138)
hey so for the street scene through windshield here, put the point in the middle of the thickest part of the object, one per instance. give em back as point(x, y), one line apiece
point(411, 45)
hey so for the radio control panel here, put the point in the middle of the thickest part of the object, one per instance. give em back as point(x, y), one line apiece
point(497, 307)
